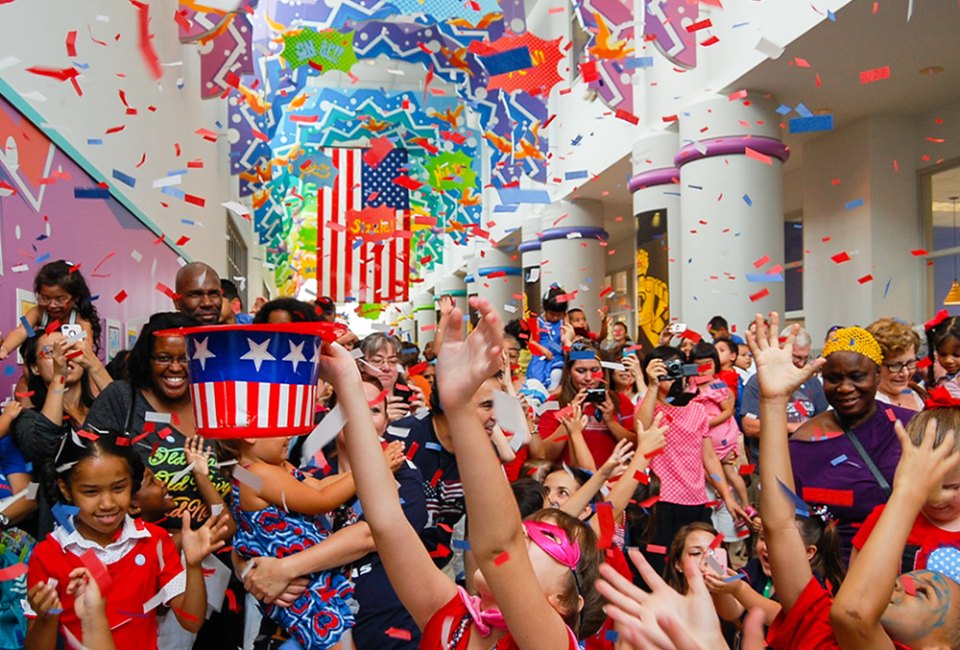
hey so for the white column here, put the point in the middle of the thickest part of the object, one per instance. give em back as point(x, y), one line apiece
point(573, 253)
point(454, 286)
point(731, 202)
point(424, 315)
point(499, 280)
point(405, 323)
point(530, 259)
point(656, 208)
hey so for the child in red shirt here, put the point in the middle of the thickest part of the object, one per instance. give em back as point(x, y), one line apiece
point(97, 477)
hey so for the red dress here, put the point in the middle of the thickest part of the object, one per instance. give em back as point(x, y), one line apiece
point(149, 562)
point(452, 621)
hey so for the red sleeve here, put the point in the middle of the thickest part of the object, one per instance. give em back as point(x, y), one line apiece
point(170, 565)
point(807, 625)
point(867, 527)
point(548, 424)
point(37, 570)
point(626, 412)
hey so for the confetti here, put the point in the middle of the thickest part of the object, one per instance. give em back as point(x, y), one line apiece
point(841, 257)
point(13, 572)
point(876, 74)
point(500, 559)
point(828, 497)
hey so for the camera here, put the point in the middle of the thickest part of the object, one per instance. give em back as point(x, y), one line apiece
point(595, 395)
point(677, 369)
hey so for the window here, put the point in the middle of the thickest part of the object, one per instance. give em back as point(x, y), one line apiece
point(620, 301)
point(793, 262)
point(940, 193)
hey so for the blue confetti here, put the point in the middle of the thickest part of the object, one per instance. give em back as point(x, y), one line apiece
point(175, 192)
point(886, 289)
point(611, 636)
point(811, 124)
point(508, 61)
point(188, 222)
point(90, 193)
point(571, 176)
point(639, 62)
point(433, 446)
point(842, 458)
point(748, 200)
point(505, 208)
point(734, 578)
point(801, 506)
point(460, 544)
point(783, 109)
point(124, 178)
point(850, 205)
point(9, 370)
point(764, 277)
point(92, 141)
point(832, 16)
point(27, 326)
point(62, 513)
point(803, 111)
point(576, 141)
point(514, 195)
point(42, 258)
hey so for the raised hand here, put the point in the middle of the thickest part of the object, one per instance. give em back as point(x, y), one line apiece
point(654, 438)
point(618, 460)
point(777, 375)
point(462, 365)
point(393, 452)
point(44, 599)
point(89, 602)
point(923, 467)
point(195, 452)
point(198, 544)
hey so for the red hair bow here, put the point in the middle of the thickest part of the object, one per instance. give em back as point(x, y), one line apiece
point(940, 398)
point(941, 316)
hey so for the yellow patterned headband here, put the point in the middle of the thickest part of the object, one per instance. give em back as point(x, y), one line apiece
point(854, 339)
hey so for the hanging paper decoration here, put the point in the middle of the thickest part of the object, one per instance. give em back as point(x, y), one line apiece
point(611, 27)
point(325, 51)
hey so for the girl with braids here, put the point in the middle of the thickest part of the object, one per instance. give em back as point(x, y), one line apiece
point(943, 348)
point(62, 296)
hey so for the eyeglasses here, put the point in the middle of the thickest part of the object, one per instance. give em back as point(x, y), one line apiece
point(897, 368)
point(58, 301)
point(166, 359)
point(380, 361)
point(801, 359)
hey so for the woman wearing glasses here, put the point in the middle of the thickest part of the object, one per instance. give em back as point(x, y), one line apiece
point(899, 344)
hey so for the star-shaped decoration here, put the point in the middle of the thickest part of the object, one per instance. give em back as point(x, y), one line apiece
point(258, 353)
point(296, 354)
point(316, 353)
point(201, 354)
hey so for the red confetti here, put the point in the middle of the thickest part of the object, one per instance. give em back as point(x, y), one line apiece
point(641, 477)
point(72, 43)
point(841, 257)
point(414, 446)
point(717, 541)
point(828, 496)
point(627, 116)
point(607, 525)
point(869, 76)
point(13, 572)
point(760, 262)
point(703, 24)
point(97, 570)
point(865, 279)
point(646, 503)
point(440, 551)
point(919, 252)
point(397, 633)
point(146, 44)
point(763, 293)
point(909, 587)
point(746, 470)
point(500, 559)
point(589, 71)
point(656, 550)
point(408, 183)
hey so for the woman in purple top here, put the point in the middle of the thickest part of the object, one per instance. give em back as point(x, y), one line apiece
point(828, 468)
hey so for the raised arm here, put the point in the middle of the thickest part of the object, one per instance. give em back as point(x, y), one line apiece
point(496, 534)
point(420, 585)
point(615, 465)
point(644, 415)
point(867, 589)
point(778, 378)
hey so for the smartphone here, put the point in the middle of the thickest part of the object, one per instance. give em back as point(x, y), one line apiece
point(717, 561)
point(678, 328)
point(71, 331)
point(595, 395)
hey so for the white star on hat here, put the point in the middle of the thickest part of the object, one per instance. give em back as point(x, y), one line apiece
point(201, 354)
point(296, 354)
point(258, 353)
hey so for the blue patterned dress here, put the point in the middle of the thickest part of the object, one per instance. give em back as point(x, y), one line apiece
point(320, 616)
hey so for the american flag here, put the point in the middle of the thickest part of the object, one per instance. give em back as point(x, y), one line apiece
point(374, 267)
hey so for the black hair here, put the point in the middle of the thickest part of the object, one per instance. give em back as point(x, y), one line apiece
point(704, 350)
point(936, 336)
point(139, 370)
point(300, 312)
point(409, 355)
point(35, 384)
point(60, 274)
point(530, 494)
point(820, 530)
point(517, 329)
point(575, 309)
point(117, 366)
point(664, 352)
point(718, 322)
point(74, 449)
point(550, 302)
point(326, 306)
point(229, 290)
point(731, 345)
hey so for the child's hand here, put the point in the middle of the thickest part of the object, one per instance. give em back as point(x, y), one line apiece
point(196, 453)
point(198, 544)
point(777, 375)
point(462, 365)
point(43, 598)
point(575, 421)
point(717, 585)
point(923, 467)
point(336, 364)
point(566, 334)
point(654, 438)
point(395, 455)
point(10, 412)
point(58, 353)
point(4, 353)
point(89, 602)
point(655, 370)
point(619, 459)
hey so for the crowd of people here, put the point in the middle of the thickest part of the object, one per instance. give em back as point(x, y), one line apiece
point(531, 485)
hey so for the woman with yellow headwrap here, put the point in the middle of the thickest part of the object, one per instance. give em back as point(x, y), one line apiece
point(845, 458)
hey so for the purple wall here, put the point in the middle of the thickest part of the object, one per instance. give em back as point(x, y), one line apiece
point(43, 221)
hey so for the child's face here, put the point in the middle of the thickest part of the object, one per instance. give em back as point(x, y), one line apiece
point(926, 617)
point(706, 369)
point(152, 498)
point(56, 301)
point(948, 354)
point(578, 319)
point(271, 450)
point(696, 546)
point(619, 333)
point(553, 316)
point(560, 485)
point(945, 512)
point(101, 487)
point(726, 356)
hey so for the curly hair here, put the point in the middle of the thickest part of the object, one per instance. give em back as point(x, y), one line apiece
point(61, 274)
point(894, 337)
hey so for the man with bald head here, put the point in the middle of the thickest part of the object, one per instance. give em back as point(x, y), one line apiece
point(198, 293)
